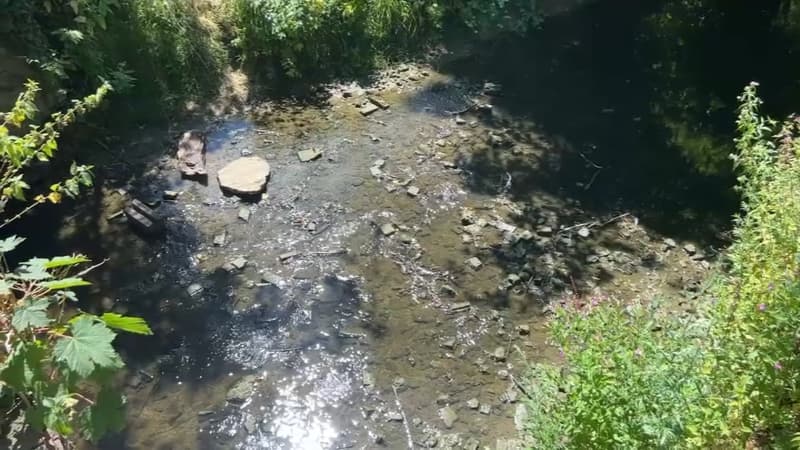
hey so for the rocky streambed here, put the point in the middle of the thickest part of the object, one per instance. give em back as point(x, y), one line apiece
point(389, 289)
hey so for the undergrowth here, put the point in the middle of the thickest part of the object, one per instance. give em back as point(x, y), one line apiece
point(642, 376)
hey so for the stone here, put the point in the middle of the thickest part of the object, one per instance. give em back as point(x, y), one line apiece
point(544, 231)
point(448, 416)
point(287, 256)
point(242, 389)
point(460, 121)
point(413, 191)
point(171, 195)
point(443, 399)
point(194, 289)
point(141, 222)
point(584, 232)
point(499, 354)
point(245, 152)
point(503, 374)
point(509, 444)
point(368, 108)
point(490, 88)
point(271, 278)
point(376, 171)
point(520, 416)
point(473, 229)
point(380, 103)
point(250, 424)
point(449, 343)
point(309, 155)
point(448, 290)
point(379, 163)
point(239, 263)
point(474, 263)
point(244, 213)
point(405, 238)
point(388, 229)
point(466, 238)
point(462, 306)
point(473, 403)
point(670, 243)
point(244, 176)
point(394, 416)
point(192, 154)
point(369, 380)
point(524, 330)
point(690, 249)
point(485, 409)
point(220, 239)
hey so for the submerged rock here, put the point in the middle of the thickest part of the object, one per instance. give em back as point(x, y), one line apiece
point(245, 176)
point(448, 416)
point(308, 155)
point(242, 389)
point(192, 153)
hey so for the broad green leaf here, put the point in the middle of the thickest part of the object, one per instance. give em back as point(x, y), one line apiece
point(107, 414)
point(62, 261)
point(32, 313)
point(24, 366)
point(89, 347)
point(135, 325)
point(10, 243)
point(66, 283)
point(33, 270)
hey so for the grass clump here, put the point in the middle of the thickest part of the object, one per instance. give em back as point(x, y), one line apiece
point(642, 376)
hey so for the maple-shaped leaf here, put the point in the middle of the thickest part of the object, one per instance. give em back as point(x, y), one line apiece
point(32, 313)
point(23, 366)
point(88, 347)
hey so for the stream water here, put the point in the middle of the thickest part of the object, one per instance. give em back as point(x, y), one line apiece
point(377, 331)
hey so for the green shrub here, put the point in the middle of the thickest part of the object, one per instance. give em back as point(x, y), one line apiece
point(491, 17)
point(55, 362)
point(644, 377)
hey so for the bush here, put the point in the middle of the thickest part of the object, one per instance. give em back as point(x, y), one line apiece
point(328, 37)
point(639, 376)
point(55, 363)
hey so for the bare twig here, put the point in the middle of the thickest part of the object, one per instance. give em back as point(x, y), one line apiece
point(521, 388)
point(405, 420)
point(84, 272)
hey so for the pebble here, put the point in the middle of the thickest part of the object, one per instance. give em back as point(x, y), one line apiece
point(584, 232)
point(485, 409)
point(309, 155)
point(448, 416)
point(376, 171)
point(544, 231)
point(220, 239)
point(239, 263)
point(503, 374)
point(449, 343)
point(394, 416)
point(244, 213)
point(271, 278)
point(524, 330)
point(171, 195)
point(448, 290)
point(413, 191)
point(287, 256)
point(405, 238)
point(670, 243)
point(473, 403)
point(194, 289)
point(474, 263)
point(690, 249)
point(499, 354)
point(443, 399)
point(388, 229)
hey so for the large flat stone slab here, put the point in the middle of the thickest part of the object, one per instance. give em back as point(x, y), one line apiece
point(244, 176)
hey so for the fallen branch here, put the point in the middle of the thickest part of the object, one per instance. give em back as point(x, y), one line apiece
point(472, 106)
point(405, 419)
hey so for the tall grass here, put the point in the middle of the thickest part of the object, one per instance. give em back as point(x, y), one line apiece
point(640, 376)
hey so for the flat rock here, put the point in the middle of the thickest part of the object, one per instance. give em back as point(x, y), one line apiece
point(473, 403)
point(271, 278)
point(242, 389)
point(287, 256)
point(368, 109)
point(388, 229)
point(192, 153)
point(220, 239)
point(485, 409)
point(690, 249)
point(194, 289)
point(239, 263)
point(171, 195)
point(412, 191)
point(244, 213)
point(499, 354)
point(380, 103)
point(376, 171)
point(584, 232)
point(245, 176)
point(448, 416)
point(520, 417)
point(670, 243)
point(309, 155)
point(474, 263)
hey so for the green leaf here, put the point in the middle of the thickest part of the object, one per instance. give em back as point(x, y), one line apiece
point(32, 313)
point(65, 283)
point(107, 414)
point(135, 325)
point(62, 261)
point(89, 347)
point(24, 366)
point(10, 243)
point(33, 270)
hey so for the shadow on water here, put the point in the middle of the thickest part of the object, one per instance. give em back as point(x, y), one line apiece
point(588, 94)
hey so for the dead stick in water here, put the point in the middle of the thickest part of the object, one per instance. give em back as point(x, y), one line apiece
point(405, 419)
point(521, 389)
